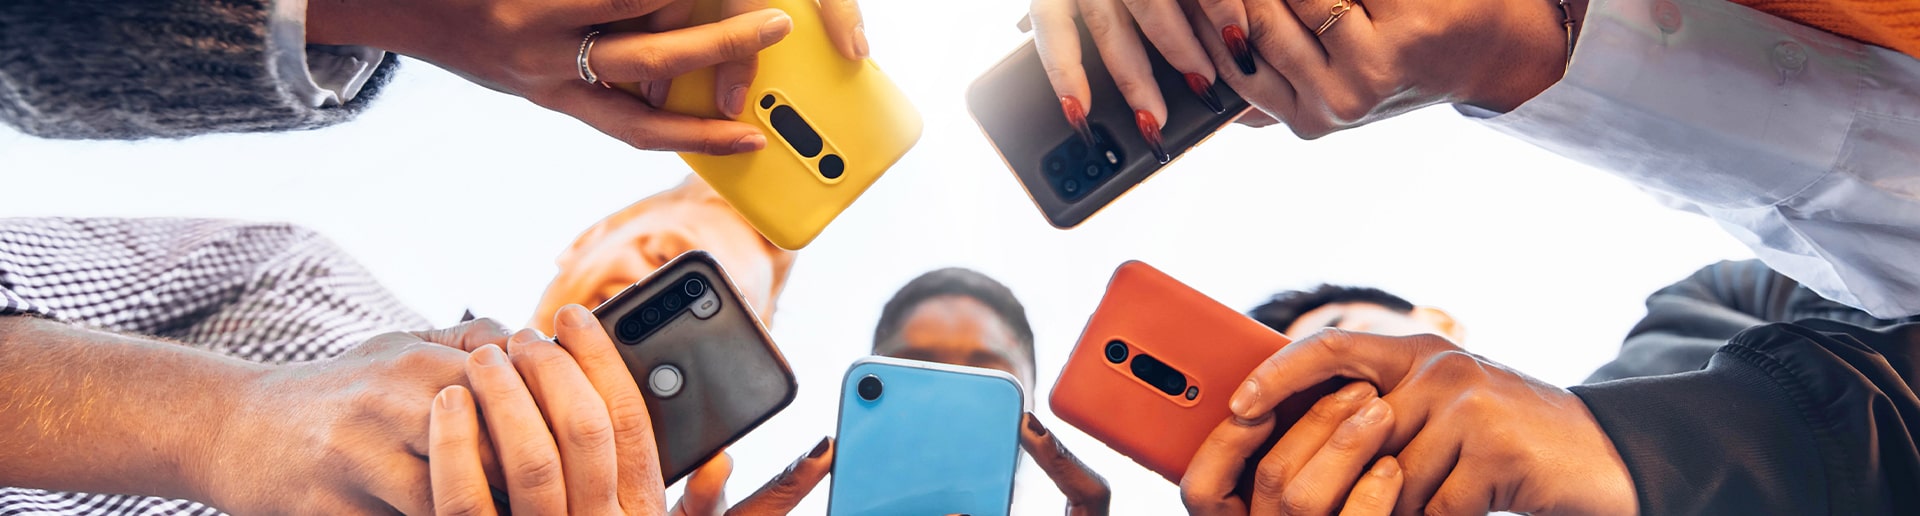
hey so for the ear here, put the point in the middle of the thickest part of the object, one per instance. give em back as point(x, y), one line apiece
point(1449, 328)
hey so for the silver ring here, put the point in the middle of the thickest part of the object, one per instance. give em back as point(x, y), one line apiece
point(586, 65)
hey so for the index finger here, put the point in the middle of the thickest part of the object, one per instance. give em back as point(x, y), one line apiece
point(1085, 489)
point(641, 487)
point(845, 28)
point(1327, 354)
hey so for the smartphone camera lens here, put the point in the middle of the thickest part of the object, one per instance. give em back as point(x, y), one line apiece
point(1092, 171)
point(629, 329)
point(832, 166)
point(1070, 186)
point(1055, 165)
point(650, 316)
point(693, 287)
point(1159, 375)
point(1116, 352)
point(869, 388)
point(672, 303)
point(766, 102)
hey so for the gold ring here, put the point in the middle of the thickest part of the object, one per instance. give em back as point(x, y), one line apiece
point(1340, 8)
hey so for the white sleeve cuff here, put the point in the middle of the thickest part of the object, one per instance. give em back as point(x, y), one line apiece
point(1799, 142)
point(320, 76)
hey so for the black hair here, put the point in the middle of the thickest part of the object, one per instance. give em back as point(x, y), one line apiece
point(955, 281)
point(1286, 307)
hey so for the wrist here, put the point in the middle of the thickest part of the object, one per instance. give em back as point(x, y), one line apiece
point(218, 427)
point(1532, 56)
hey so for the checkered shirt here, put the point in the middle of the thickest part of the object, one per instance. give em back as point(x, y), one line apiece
point(270, 293)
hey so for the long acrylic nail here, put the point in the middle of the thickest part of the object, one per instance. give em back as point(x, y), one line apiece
point(1203, 88)
point(1077, 117)
point(1150, 130)
point(818, 449)
point(1237, 44)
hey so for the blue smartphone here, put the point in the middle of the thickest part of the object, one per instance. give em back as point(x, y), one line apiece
point(925, 438)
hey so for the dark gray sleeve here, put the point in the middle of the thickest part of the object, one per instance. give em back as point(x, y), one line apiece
point(93, 69)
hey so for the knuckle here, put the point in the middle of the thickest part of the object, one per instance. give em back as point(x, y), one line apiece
point(1369, 498)
point(537, 473)
point(1347, 440)
point(646, 62)
point(1300, 500)
point(1271, 476)
point(461, 503)
point(590, 432)
point(627, 415)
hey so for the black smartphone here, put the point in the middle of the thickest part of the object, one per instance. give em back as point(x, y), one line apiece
point(705, 365)
point(1068, 179)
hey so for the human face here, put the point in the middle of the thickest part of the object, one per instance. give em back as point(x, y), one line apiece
point(1376, 319)
point(959, 330)
point(619, 253)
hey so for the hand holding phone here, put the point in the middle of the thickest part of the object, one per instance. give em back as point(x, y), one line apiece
point(1072, 167)
point(707, 369)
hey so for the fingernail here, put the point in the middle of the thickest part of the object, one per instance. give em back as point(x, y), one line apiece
point(575, 316)
point(776, 28)
point(1077, 117)
point(1150, 130)
point(860, 40)
point(444, 400)
point(1203, 88)
point(657, 95)
point(736, 100)
point(750, 143)
point(1244, 398)
point(1033, 423)
point(1386, 468)
point(818, 449)
point(1237, 44)
point(489, 355)
point(1375, 411)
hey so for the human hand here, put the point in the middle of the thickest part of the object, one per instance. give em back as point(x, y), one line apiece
point(1382, 58)
point(568, 426)
point(340, 436)
point(1319, 465)
point(530, 48)
point(1116, 26)
point(841, 18)
point(706, 487)
point(1087, 493)
point(1472, 436)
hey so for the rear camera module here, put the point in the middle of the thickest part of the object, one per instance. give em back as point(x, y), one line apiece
point(629, 330)
point(672, 303)
point(1159, 375)
point(767, 102)
point(1075, 169)
point(1116, 352)
point(650, 316)
point(869, 388)
point(693, 287)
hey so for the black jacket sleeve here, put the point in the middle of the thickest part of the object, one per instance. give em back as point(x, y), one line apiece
point(1814, 417)
point(1689, 320)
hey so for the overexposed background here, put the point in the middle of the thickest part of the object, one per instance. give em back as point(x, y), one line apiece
point(458, 197)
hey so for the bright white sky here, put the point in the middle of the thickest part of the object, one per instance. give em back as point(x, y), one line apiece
point(458, 197)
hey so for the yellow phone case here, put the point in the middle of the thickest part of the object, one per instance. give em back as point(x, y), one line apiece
point(861, 118)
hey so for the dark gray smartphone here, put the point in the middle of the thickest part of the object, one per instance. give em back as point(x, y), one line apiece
point(705, 365)
point(1068, 179)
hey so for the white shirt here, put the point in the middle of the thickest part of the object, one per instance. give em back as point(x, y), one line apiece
point(1802, 144)
point(322, 76)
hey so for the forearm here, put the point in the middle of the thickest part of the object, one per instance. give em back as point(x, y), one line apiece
point(83, 410)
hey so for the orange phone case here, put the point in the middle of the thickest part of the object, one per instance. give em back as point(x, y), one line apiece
point(1214, 346)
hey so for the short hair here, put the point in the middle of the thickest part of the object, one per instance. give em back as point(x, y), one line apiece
point(956, 281)
point(1286, 307)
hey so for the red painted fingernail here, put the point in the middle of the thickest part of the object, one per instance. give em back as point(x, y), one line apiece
point(1203, 88)
point(1150, 130)
point(1237, 44)
point(1077, 117)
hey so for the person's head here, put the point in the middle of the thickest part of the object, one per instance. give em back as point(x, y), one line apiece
point(629, 244)
point(958, 316)
point(1297, 313)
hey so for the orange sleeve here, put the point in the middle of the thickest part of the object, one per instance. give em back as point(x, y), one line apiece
point(1894, 24)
